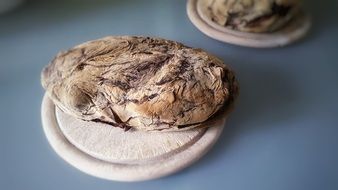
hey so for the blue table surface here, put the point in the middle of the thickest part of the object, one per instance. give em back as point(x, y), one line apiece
point(282, 134)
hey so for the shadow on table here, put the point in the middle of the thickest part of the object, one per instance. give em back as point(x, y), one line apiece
point(323, 15)
point(267, 96)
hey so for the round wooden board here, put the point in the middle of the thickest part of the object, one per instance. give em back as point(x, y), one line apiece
point(294, 30)
point(115, 145)
point(131, 158)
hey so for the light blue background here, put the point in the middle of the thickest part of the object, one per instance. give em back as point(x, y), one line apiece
point(282, 135)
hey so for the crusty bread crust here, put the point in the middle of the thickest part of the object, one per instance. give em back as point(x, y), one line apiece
point(252, 15)
point(140, 82)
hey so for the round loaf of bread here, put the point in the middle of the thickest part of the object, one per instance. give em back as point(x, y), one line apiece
point(258, 16)
point(139, 82)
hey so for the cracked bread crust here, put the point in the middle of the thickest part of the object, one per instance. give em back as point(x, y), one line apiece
point(139, 82)
point(252, 15)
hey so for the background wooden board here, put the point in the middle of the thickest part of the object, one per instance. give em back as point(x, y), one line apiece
point(295, 29)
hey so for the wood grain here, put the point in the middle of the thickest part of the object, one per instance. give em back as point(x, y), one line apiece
point(162, 164)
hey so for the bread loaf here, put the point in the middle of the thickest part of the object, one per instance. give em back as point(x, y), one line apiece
point(252, 15)
point(139, 82)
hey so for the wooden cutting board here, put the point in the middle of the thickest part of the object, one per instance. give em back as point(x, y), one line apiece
point(111, 153)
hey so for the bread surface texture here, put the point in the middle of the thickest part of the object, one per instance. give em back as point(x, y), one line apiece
point(139, 82)
point(252, 15)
